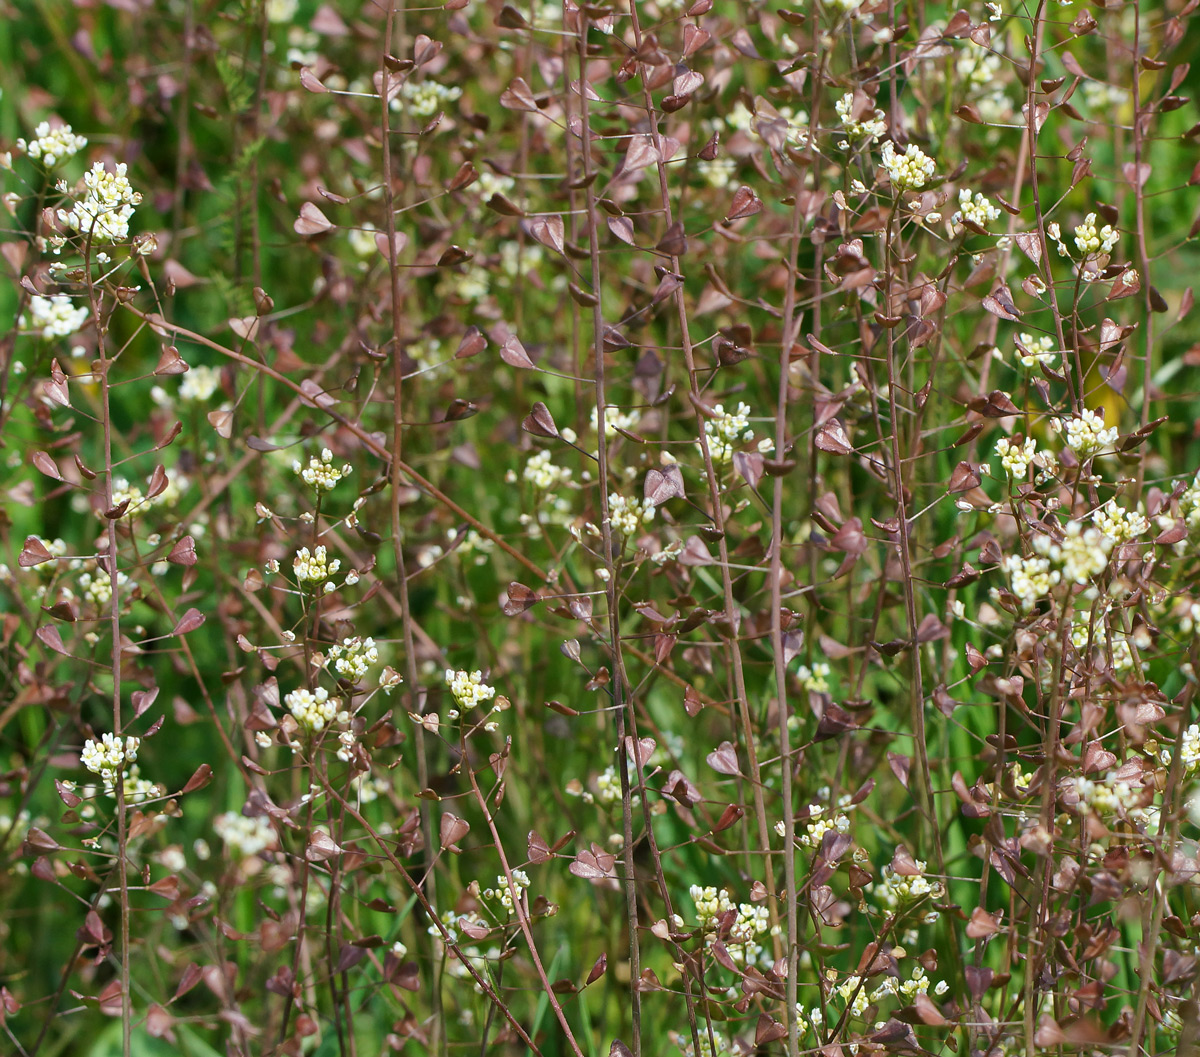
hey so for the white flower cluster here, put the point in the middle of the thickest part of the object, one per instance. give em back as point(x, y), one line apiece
point(354, 657)
point(97, 587)
point(1032, 351)
point(51, 146)
point(199, 383)
point(245, 837)
point(1031, 578)
point(426, 352)
point(1100, 96)
point(468, 688)
point(798, 125)
point(844, 7)
point(718, 173)
point(1015, 457)
point(1189, 750)
point(820, 824)
point(916, 984)
point(1083, 552)
point(502, 893)
point(868, 128)
point(815, 679)
point(426, 98)
point(362, 240)
point(627, 515)
point(718, 1045)
point(320, 474)
point(976, 209)
point(1118, 524)
point(491, 183)
point(608, 787)
point(1092, 241)
point(543, 474)
point(727, 428)
point(314, 567)
point(852, 992)
point(1105, 798)
point(711, 905)
point(615, 418)
point(54, 316)
point(516, 259)
point(909, 171)
point(109, 756)
point(278, 11)
point(1122, 651)
point(1189, 504)
point(977, 67)
point(895, 891)
point(1086, 433)
point(740, 118)
point(104, 212)
point(313, 709)
point(751, 922)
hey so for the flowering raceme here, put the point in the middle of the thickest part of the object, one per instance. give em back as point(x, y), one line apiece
point(320, 474)
point(1086, 432)
point(468, 688)
point(313, 709)
point(352, 659)
point(104, 211)
point(109, 756)
point(52, 146)
point(315, 566)
point(909, 171)
point(53, 317)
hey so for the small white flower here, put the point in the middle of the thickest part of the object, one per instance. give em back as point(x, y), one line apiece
point(1087, 435)
point(313, 709)
point(468, 688)
point(52, 146)
point(54, 316)
point(314, 567)
point(1091, 241)
point(199, 383)
point(109, 756)
point(1014, 457)
point(320, 474)
point(425, 98)
point(975, 209)
point(909, 171)
point(104, 211)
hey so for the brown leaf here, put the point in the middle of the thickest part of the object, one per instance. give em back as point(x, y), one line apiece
point(48, 635)
point(513, 353)
point(184, 552)
point(1030, 244)
point(664, 484)
point(34, 552)
point(831, 437)
point(321, 847)
point(451, 830)
point(189, 622)
point(222, 422)
point(1000, 303)
point(745, 204)
point(540, 422)
point(311, 221)
point(310, 81)
point(200, 778)
point(518, 96)
point(724, 759)
point(548, 230)
point(46, 465)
